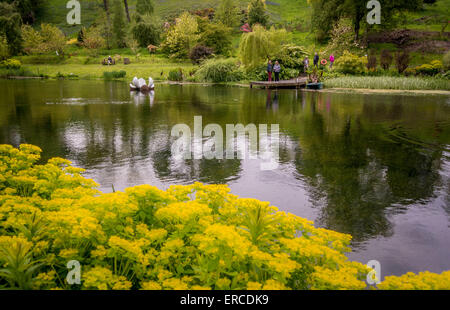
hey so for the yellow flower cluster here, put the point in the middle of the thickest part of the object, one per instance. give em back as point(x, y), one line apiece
point(188, 237)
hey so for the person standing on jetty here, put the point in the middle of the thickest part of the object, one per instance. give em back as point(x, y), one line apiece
point(269, 70)
point(316, 60)
point(306, 64)
point(331, 60)
point(277, 70)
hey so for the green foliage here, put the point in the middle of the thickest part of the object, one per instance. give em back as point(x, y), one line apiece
point(54, 39)
point(181, 37)
point(257, 13)
point(32, 40)
point(11, 64)
point(187, 237)
point(446, 61)
point(10, 26)
point(261, 44)
point(144, 7)
point(147, 30)
point(291, 57)
point(216, 36)
point(20, 267)
point(119, 26)
point(110, 75)
point(431, 69)
point(228, 13)
point(176, 75)
point(342, 38)
point(218, 71)
point(28, 9)
point(47, 39)
point(6, 73)
point(326, 13)
point(385, 82)
point(349, 63)
point(93, 39)
point(4, 48)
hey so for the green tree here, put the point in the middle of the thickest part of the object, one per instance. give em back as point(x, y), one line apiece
point(257, 46)
point(93, 40)
point(182, 37)
point(327, 12)
point(144, 7)
point(28, 9)
point(228, 13)
point(103, 23)
point(53, 39)
point(147, 31)
point(4, 49)
point(48, 39)
point(119, 27)
point(10, 24)
point(32, 40)
point(216, 36)
point(257, 13)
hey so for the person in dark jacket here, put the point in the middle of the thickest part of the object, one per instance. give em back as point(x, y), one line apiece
point(277, 70)
point(269, 70)
point(316, 60)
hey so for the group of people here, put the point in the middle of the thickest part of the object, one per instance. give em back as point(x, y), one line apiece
point(271, 68)
point(275, 69)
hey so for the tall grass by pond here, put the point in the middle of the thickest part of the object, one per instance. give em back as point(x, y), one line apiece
point(20, 72)
point(385, 82)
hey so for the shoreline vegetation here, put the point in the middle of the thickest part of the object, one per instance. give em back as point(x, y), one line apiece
point(194, 237)
point(425, 85)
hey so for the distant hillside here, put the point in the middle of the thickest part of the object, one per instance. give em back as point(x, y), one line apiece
point(280, 11)
point(295, 15)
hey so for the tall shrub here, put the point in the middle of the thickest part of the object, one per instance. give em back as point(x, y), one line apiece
point(402, 61)
point(218, 71)
point(386, 59)
point(257, 13)
point(228, 13)
point(257, 46)
point(446, 61)
point(119, 26)
point(182, 37)
point(4, 49)
point(349, 63)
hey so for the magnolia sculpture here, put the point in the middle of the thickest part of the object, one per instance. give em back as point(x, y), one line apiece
point(141, 85)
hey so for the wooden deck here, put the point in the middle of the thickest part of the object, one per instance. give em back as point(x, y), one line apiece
point(294, 83)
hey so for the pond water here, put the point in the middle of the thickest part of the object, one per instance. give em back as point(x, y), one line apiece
point(376, 166)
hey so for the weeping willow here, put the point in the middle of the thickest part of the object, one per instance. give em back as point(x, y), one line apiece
point(260, 44)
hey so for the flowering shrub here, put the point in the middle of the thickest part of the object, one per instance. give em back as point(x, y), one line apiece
point(11, 64)
point(188, 237)
point(349, 63)
point(432, 68)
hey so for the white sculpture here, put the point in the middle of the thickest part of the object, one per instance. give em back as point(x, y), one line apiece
point(140, 84)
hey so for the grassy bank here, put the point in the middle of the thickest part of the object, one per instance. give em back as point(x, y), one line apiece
point(95, 71)
point(386, 82)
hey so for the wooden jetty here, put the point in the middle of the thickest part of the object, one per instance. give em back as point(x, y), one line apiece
point(293, 83)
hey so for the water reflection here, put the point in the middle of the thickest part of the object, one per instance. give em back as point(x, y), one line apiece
point(360, 164)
